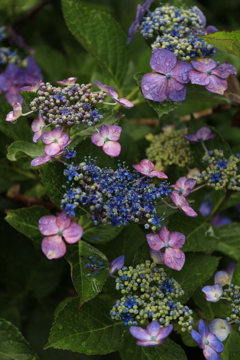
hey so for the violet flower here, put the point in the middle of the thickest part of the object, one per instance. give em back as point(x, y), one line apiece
point(213, 293)
point(146, 167)
point(57, 228)
point(151, 336)
point(182, 204)
point(172, 80)
point(16, 113)
point(114, 95)
point(56, 141)
point(141, 9)
point(38, 127)
point(220, 328)
point(68, 82)
point(173, 257)
point(184, 185)
point(203, 134)
point(208, 73)
point(207, 341)
point(107, 138)
point(116, 264)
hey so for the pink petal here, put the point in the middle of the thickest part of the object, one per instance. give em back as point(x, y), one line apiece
point(37, 136)
point(52, 149)
point(164, 235)
point(155, 242)
point(154, 87)
point(210, 354)
point(177, 240)
point(146, 165)
point(47, 225)
point(198, 78)
point(16, 113)
point(163, 61)
point(203, 65)
point(216, 85)
point(68, 82)
point(114, 132)
point(112, 148)
point(41, 160)
point(159, 174)
point(176, 91)
point(125, 102)
point(73, 233)
point(177, 199)
point(38, 124)
point(63, 221)
point(180, 72)
point(114, 95)
point(189, 211)
point(104, 131)
point(174, 258)
point(97, 139)
point(53, 247)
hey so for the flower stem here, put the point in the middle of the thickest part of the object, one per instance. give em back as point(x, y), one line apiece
point(172, 207)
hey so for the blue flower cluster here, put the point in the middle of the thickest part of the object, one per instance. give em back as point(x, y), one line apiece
point(112, 196)
point(72, 105)
point(177, 30)
point(148, 295)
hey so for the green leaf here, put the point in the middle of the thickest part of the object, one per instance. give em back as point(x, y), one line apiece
point(13, 346)
point(86, 282)
point(228, 41)
point(198, 268)
point(53, 180)
point(165, 210)
point(200, 236)
point(28, 96)
point(169, 350)
point(231, 347)
point(26, 222)
point(101, 36)
point(162, 108)
point(236, 275)
point(21, 148)
point(101, 234)
point(229, 240)
point(87, 329)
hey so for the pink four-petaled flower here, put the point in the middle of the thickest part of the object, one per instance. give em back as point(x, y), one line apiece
point(56, 228)
point(173, 257)
point(107, 138)
point(146, 167)
point(184, 185)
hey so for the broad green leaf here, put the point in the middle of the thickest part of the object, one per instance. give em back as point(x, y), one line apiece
point(101, 234)
point(87, 329)
point(13, 346)
point(229, 243)
point(101, 36)
point(200, 236)
point(169, 350)
point(26, 222)
point(28, 97)
point(53, 180)
point(236, 275)
point(231, 346)
point(164, 210)
point(228, 41)
point(198, 268)
point(86, 281)
point(162, 108)
point(21, 148)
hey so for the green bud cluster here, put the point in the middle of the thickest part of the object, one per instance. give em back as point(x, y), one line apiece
point(148, 295)
point(232, 294)
point(221, 173)
point(169, 147)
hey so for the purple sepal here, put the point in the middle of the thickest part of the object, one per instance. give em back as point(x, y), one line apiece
point(213, 293)
point(151, 336)
point(114, 95)
point(184, 185)
point(205, 208)
point(41, 160)
point(219, 220)
point(182, 204)
point(16, 113)
point(67, 82)
point(116, 264)
point(146, 167)
point(38, 127)
point(53, 247)
point(203, 134)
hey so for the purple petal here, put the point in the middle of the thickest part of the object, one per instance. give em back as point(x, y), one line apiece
point(53, 247)
point(205, 208)
point(213, 293)
point(112, 148)
point(12, 96)
point(215, 343)
point(116, 264)
point(178, 200)
point(124, 102)
point(97, 139)
point(224, 70)
point(195, 335)
point(210, 29)
point(202, 328)
point(47, 225)
point(180, 72)
point(38, 124)
point(210, 354)
point(16, 113)
point(205, 133)
point(176, 91)
point(52, 135)
point(139, 333)
point(164, 332)
point(201, 15)
point(73, 233)
point(106, 88)
point(222, 278)
point(157, 256)
point(41, 160)
point(219, 220)
point(154, 87)
point(230, 269)
point(163, 61)
point(191, 137)
point(177, 240)
point(159, 174)
point(68, 82)
point(63, 221)
point(164, 235)
point(144, 167)
point(153, 328)
point(174, 258)
point(203, 65)
point(37, 136)
point(149, 343)
point(198, 78)
point(220, 328)
point(52, 149)
point(216, 85)
point(155, 242)
point(189, 211)
point(114, 132)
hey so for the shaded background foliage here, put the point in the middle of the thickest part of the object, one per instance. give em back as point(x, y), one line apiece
point(32, 286)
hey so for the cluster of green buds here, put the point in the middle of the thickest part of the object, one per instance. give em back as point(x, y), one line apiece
point(221, 173)
point(232, 293)
point(148, 295)
point(169, 148)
